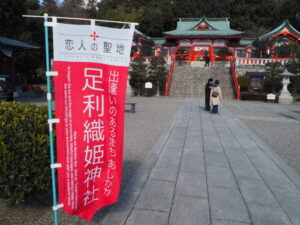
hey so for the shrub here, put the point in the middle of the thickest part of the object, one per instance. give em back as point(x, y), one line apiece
point(272, 84)
point(148, 92)
point(244, 82)
point(24, 152)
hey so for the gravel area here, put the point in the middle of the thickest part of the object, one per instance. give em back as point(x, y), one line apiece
point(142, 129)
point(277, 125)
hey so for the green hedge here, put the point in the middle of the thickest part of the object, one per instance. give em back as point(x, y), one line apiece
point(24, 152)
point(244, 82)
point(148, 92)
point(272, 84)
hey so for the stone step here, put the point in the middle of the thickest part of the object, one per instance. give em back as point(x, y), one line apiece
point(190, 82)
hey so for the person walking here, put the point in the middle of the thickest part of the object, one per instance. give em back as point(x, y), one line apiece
point(208, 87)
point(215, 97)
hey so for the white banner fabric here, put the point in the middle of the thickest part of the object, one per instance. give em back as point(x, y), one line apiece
point(85, 43)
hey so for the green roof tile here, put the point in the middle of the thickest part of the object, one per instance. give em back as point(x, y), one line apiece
point(9, 43)
point(159, 41)
point(219, 27)
point(247, 41)
point(285, 24)
point(136, 31)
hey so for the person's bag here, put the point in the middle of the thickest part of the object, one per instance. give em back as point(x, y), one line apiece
point(215, 94)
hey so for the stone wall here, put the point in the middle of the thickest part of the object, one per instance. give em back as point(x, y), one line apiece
point(242, 69)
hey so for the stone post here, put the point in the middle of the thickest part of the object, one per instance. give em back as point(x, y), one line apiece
point(129, 89)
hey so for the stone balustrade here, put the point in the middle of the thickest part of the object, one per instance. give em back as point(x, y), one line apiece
point(168, 59)
point(259, 61)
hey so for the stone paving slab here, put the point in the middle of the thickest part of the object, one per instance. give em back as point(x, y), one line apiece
point(166, 171)
point(244, 170)
point(209, 169)
point(228, 204)
point(263, 215)
point(191, 184)
point(147, 217)
point(171, 154)
point(216, 159)
point(189, 210)
point(220, 177)
point(227, 222)
point(193, 162)
point(291, 204)
point(255, 192)
point(278, 182)
point(156, 195)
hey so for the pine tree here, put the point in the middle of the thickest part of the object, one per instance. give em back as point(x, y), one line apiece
point(138, 74)
point(158, 73)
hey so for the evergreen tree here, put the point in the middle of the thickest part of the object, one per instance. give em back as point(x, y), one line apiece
point(138, 74)
point(73, 8)
point(273, 83)
point(158, 73)
point(50, 7)
point(157, 16)
point(11, 21)
point(294, 67)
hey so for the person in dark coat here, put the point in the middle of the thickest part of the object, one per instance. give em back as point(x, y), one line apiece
point(207, 60)
point(208, 87)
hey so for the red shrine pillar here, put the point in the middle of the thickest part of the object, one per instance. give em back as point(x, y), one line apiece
point(248, 53)
point(211, 54)
point(157, 51)
point(272, 51)
point(191, 56)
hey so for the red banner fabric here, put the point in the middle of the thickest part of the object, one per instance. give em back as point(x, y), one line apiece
point(92, 65)
point(89, 101)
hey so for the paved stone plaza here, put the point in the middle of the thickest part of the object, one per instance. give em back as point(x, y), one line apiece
point(209, 169)
point(234, 168)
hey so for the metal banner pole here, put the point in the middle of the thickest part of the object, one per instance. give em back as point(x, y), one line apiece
point(49, 100)
point(83, 19)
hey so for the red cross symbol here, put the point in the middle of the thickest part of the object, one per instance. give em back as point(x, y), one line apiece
point(94, 36)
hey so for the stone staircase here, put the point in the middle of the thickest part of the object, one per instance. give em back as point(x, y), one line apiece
point(190, 81)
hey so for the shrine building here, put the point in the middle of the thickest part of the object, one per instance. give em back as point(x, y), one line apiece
point(196, 38)
point(286, 33)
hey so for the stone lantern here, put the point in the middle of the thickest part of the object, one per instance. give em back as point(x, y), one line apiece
point(129, 89)
point(285, 96)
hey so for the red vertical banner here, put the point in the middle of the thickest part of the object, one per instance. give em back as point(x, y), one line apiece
point(90, 89)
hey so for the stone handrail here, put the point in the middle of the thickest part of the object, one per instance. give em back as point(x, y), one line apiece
point(235, 80)
point(168, 83)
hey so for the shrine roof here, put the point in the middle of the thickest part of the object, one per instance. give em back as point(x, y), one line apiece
point(247, 41)
point(14, 44)
point(286, 24)
point(203, 27)
point(136, 31)
point(159, 41)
